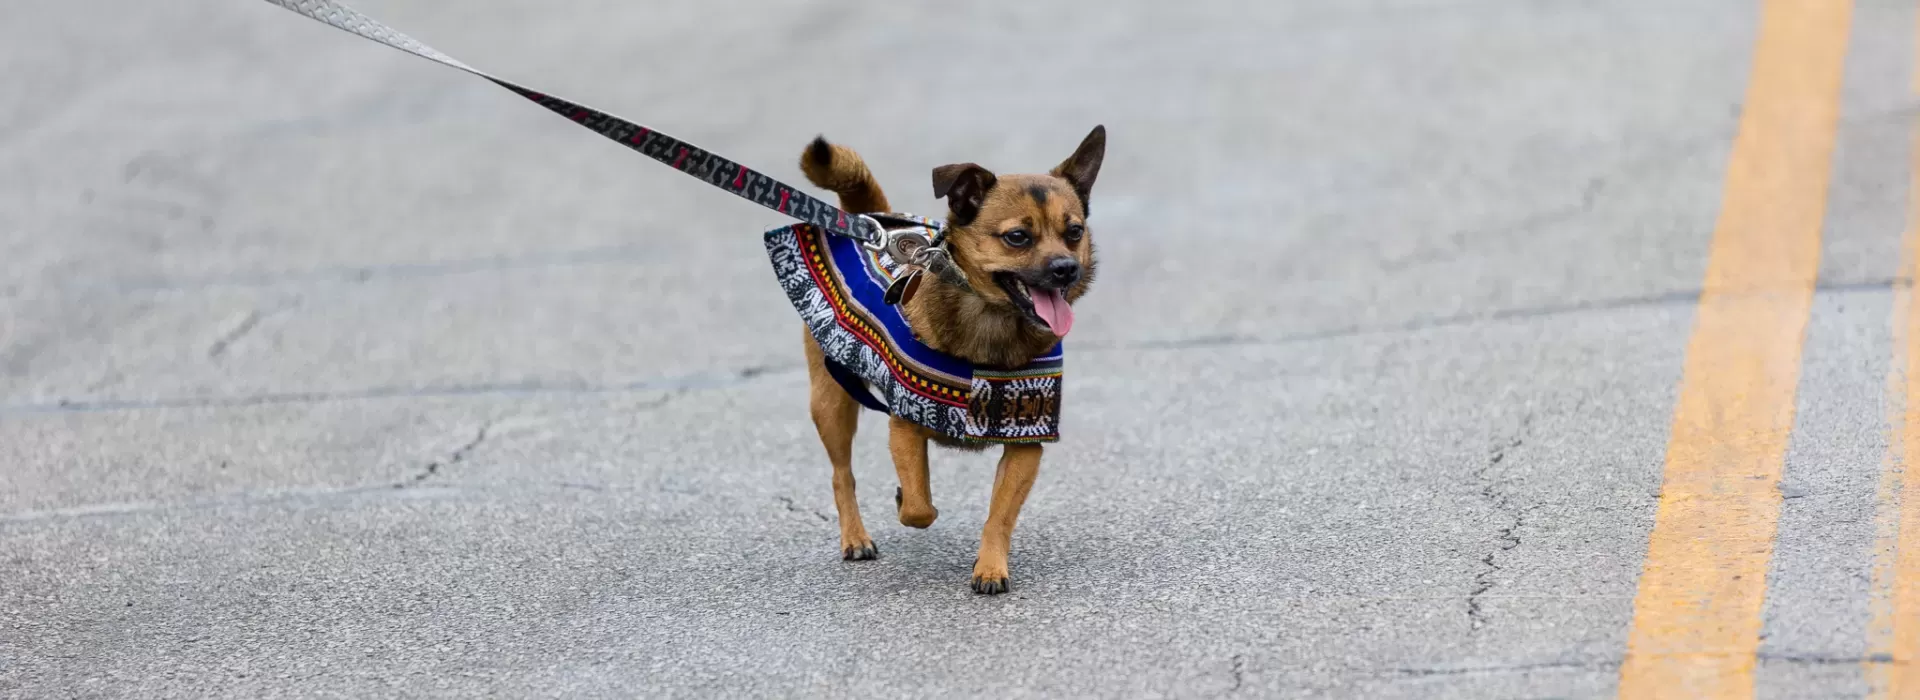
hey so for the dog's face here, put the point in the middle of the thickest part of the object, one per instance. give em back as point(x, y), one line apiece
point(1022, 240)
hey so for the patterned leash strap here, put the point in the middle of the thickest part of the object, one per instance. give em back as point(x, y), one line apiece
point(682, 156)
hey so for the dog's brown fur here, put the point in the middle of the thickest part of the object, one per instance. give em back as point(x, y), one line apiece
point(977, 321)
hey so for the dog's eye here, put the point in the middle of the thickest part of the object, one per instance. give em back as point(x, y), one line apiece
point(1074, 233)
point(1017, 238)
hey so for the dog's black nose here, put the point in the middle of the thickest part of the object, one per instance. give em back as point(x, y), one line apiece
point(1064, 270)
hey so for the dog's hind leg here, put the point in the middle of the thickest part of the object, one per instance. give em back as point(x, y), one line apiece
point(836, 416)
point(915, 497)
point(1019, 466)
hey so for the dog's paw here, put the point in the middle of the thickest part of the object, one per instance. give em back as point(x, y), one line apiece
point(863, 551)
point(921, 516)
point(919, 519)
point(990, 586)
point(990, 579)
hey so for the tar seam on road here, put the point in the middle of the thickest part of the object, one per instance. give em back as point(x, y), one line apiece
point(531, 387)
point(1893, 629)
point(1697, 610)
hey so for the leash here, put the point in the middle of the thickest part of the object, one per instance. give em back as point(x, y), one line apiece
point(828, 280)
point(904, 237)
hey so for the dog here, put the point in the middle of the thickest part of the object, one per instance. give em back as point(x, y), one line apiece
point(1025, 254)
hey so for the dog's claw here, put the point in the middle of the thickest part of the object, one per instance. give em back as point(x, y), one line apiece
point(864, 552)
point(989, 586)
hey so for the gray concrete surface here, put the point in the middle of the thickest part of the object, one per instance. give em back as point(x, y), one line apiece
point(326, 371)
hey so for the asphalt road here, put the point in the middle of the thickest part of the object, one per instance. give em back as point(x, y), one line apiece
point(328, 371)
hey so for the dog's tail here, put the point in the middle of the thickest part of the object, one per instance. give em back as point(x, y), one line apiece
point(838, 168)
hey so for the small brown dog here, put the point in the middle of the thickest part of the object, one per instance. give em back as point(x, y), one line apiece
point(1022, 244)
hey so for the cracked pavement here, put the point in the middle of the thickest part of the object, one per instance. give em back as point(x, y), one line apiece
point(325, 370)
point(1508, 536)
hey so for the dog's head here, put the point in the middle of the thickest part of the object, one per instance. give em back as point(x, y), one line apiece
point(1022, 240)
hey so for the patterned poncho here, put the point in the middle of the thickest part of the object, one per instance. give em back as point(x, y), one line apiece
point(839, 288)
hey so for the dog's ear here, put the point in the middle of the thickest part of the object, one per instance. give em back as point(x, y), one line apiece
point(965, 186)
point(1083, 166)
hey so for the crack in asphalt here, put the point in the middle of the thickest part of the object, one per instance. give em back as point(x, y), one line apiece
point(318, 496)
point(1671, 298)
point(1816, 659)
point(617, 254)
point(1456, 243)
point(458, 455)
point(299, 496)
point(234, 333)
point(795, 508)
point(679, 385)
point(1514, 668)
point(1507, 536)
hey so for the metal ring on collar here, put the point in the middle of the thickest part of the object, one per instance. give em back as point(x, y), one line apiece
point(899, 243)
point(903, 243)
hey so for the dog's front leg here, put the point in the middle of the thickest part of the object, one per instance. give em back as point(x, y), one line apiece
point(1019, 465)
point(914, 498)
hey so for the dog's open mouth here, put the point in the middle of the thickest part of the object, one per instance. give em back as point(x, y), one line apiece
point(1046, 307)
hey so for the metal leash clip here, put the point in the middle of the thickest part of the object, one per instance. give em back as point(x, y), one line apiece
point(915, 243)
point(904, 240)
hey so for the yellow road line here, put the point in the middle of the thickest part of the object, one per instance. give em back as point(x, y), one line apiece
point(1696, 622)
point(1894, 632)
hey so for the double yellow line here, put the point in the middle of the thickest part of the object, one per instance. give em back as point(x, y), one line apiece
point(1697, 615)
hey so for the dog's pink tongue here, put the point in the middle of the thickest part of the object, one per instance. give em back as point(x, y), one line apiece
point(1053, 308)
